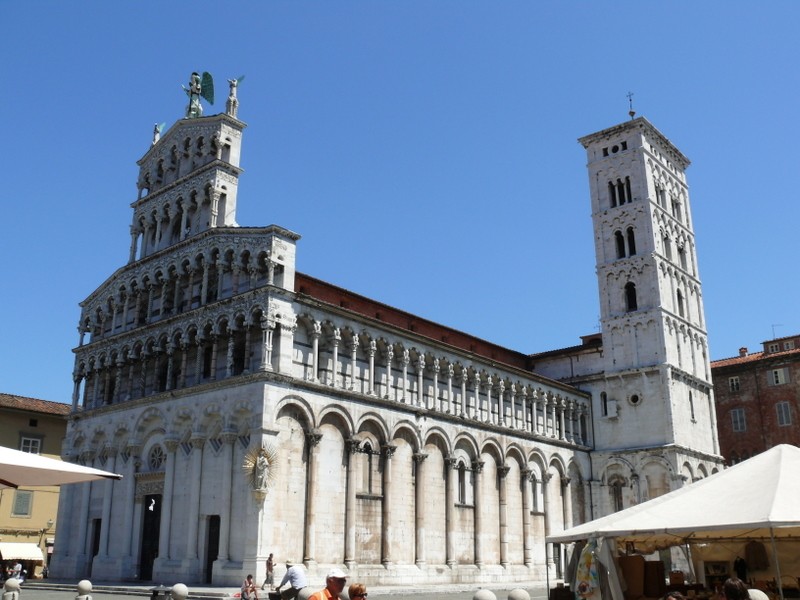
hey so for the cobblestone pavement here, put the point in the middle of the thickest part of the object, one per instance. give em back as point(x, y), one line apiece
point(34, 593)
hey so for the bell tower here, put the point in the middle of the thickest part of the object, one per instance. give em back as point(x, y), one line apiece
point(653, 403)
point(656, 364)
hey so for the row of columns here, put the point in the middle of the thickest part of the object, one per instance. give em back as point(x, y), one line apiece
point(143, 368)
point(178, 289)
point(387, 527)
point(490, 402)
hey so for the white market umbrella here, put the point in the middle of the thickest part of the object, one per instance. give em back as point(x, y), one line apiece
point(25, 469)
point(755, 499)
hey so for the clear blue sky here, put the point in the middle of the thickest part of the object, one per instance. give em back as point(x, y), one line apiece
point(426, 152)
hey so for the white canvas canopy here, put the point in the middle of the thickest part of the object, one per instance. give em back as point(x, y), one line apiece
point(21, 551)
point(756, 499)
point(24, 469)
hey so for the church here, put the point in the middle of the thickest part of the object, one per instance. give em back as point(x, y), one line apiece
point(253, 409)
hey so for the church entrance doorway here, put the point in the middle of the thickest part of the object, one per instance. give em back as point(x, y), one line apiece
point(212, 545)
point(151, 529)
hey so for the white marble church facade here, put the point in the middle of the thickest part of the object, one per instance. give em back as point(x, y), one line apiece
point(399, 449)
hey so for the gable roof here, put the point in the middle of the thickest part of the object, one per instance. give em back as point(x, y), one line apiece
point(23, 403)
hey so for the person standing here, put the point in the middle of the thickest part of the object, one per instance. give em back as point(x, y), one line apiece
point(270, 578)
point(295, 576)
point(334, 584)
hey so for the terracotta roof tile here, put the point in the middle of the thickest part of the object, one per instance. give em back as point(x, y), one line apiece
point(752, 357)
point(33, 405)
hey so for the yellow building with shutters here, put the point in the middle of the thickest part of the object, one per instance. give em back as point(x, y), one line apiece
point(28, 515)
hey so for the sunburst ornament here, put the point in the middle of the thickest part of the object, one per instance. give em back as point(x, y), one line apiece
point(260, 467)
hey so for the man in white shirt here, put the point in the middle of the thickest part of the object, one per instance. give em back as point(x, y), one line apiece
point(296, 578)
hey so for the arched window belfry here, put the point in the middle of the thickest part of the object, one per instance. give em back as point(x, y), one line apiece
point(620, 244)
point(619, 192)
point(667, 247)
point(680, 303)
point(631, 242)
point(630, 297)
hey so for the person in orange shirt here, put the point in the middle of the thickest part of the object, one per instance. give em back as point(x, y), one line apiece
point(334, 584)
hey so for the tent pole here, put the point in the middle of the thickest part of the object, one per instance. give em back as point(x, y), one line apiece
point(775, 560)
point(687, 552)
point(547, 572)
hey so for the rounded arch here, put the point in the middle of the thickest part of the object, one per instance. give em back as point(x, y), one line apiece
point(298, 409)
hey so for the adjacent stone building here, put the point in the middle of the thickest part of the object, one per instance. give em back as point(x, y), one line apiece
point(254, 409)
point(757, 398)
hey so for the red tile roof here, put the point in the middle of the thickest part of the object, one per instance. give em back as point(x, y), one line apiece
point(33, 405)
point(753, 357)
point(337, 296)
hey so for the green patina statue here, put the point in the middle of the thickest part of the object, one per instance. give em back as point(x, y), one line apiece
point(199, 87)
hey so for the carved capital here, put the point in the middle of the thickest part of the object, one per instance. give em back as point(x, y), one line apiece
point(503, 470)
point(352, 445)
point(419, 457)
point(477, 466)
point(388, 450)
point(313, 437)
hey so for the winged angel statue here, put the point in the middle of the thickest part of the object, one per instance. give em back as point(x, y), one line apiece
point(199, 88)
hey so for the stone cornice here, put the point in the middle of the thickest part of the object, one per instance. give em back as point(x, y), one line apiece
point(647, 128)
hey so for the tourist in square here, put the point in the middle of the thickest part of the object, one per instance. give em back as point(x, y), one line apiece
point(334, 584)
point(270, 578)
point(295, 576)
point(249, 589)
point(357, 590)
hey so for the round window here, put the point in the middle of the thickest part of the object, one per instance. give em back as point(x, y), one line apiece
point(635, 399)
point(156, 458)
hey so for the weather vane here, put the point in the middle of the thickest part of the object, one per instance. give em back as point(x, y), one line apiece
point(631, 112)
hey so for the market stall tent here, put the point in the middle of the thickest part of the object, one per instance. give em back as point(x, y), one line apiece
point(755, 499)
point(24, 469)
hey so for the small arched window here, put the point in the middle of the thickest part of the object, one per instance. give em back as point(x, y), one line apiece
point(603, 404)
point(630, 297)
point(631, 242)
point(667, 247)
point(615, 492)
point(680, 303)
point(620, 241)
point(682, 257)
point(612, 194)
